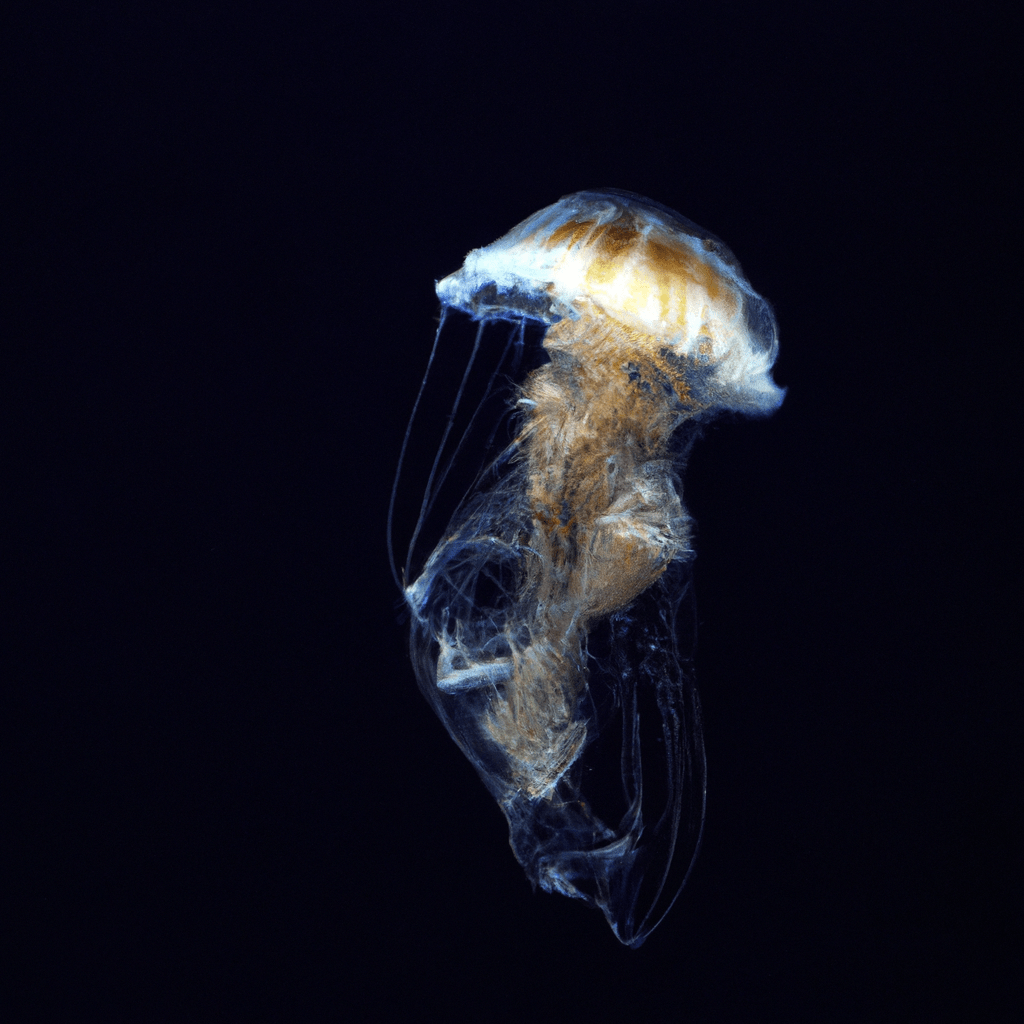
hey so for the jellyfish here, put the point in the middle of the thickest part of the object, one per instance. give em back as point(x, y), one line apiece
point(552, 623)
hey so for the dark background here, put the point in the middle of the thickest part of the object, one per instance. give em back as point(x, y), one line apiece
point(222, 225)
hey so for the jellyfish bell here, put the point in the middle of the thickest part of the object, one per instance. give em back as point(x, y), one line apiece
point(545, 623)
point(641, 267)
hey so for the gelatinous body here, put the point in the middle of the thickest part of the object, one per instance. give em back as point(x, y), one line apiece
point(546, 626)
